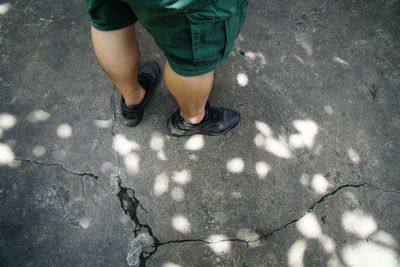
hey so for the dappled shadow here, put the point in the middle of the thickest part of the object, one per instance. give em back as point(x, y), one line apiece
point(308, 178)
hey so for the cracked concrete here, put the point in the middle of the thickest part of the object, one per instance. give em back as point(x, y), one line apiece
point(267, 250)
point(310, 177)
point(322, 199)
point(59, 166)
point(132, 203)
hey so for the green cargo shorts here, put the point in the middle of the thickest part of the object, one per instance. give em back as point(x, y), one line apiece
point(196, 36)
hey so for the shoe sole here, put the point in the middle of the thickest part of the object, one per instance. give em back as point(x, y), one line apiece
point(176, 133)
point(133, 123)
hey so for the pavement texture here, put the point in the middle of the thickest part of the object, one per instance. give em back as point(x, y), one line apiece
point(310, 177)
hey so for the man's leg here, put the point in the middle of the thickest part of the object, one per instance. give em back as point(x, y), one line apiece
point(191, 93)
point(195, 116)
point(118, 53)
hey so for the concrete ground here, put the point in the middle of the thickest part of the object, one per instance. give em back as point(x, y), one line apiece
point(310, 177)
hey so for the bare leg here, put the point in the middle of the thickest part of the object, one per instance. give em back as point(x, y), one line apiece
point(118, 54)
point(191, 93)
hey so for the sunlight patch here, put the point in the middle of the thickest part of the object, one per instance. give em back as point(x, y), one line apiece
point(327, 243)
point(265, 140)
point(161, 155)
point(235, 165)
point(264, 128)
point(177, 194)
point(259, 140)
point(195, 142)
point(328, 109)
point(123, 146)
point(39, 151)
point(319, 184)
point(250, 55)
point(157, 142)
point(384, 238)
point(7, 121)
point(341, 62)
point(6, 155)
point(84, 222)
point(64, 131)
point(305, 180)
point(38, 116)
point(103, 124)
point(304, 39)
point(296, 253)
point(353, 156)
point(262, 169)
point(4, 8)
point(277, 148)
point(307, 129)
point(132, 163)
point(359, 223)
point(309, 226)
point(161, 184)
point(170, 264)
point(219, 244)
point(258, 55)
point(181, 224)
point(247, 234)
point(242, 79)
point(365, 253)
point(182, 177)
point(334, 261)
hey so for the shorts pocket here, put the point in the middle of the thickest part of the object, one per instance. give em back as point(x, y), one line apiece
point(214, 26)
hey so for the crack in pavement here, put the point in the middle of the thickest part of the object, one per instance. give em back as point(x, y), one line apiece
point(265, 236)
point(127, 197)
point(129, 204)
point(132, 203)
point(83, 174)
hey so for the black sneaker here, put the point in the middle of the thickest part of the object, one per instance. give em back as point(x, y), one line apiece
point(149, 79)
point(216, 121)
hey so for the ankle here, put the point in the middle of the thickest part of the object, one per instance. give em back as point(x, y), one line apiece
point(193, 119)
point(134, 97)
